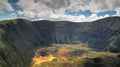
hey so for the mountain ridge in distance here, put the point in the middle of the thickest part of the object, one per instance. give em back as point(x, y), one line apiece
point(20, 38)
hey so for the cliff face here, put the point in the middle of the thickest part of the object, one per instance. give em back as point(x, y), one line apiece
point(19, 38)
point(98, 34)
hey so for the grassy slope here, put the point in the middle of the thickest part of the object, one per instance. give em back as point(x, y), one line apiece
point(79, 56)
point(18, 40)
point(101, 32)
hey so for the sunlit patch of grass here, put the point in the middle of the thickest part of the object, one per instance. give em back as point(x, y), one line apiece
point(73, 56)
point(39, 60)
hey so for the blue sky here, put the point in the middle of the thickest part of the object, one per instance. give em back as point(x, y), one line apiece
point(70, 10)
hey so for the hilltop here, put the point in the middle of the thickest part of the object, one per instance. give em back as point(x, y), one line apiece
point(20, 38)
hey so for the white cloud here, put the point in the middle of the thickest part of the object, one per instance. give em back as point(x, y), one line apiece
point(49, 15)
point(80, 18)
point(43, 9)
point(55, 4)
point(4, 5)
point(94, 17)
point(64, 17)
point(113, 4)
point(94, 5)
point(78, 4)
point(41, 5)
point(40, 9)
point(28, 14)
point(98, 5)
point(30, 5)
point(32, 14)
point(118, 11)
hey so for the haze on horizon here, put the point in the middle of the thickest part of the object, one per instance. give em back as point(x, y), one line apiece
point(58, 10)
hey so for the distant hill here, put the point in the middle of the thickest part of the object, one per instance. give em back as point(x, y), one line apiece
point(99, 34)
point(19, 38)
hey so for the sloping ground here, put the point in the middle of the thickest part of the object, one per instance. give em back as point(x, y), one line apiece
point(102, 32)
point(75, 56)
point(18, 40)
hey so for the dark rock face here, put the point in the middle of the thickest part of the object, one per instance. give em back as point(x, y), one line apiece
point(101, 34)
point(19, 38)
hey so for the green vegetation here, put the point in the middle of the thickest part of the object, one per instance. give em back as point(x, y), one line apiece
point(66, 56)
point(20, 38)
